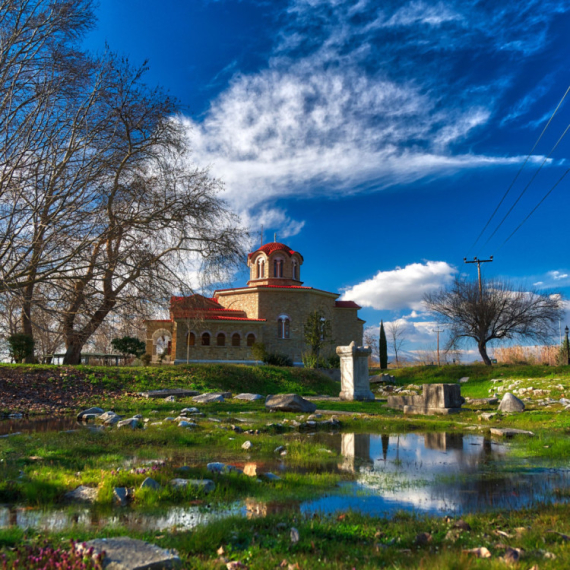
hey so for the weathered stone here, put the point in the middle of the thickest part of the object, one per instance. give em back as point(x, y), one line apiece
point(107, 416)
point(186, 424)
point(382, 379)
point(90, 411)
point(180, 392)
point(133, 423)
point(289, 403)
point(209, 398)
point(247, 445)
point(441, 399)
point(487, 416)
point(170, 399)
point(511, 403)
point(122, 496)
point(190, 411)
point(150, 483)
point(279, 449)
point(82, 494)
point(509, 432)
point(354, 377)
point(249, 397)
point(124, 553)
point(270, 476)
point(205, 485)
point(464, 380)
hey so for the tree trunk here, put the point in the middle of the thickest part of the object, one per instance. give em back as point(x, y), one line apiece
point(483, 352)
point(73, 352)
point(27, 317)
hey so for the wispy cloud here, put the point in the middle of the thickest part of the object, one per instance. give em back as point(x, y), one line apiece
point(358, 98)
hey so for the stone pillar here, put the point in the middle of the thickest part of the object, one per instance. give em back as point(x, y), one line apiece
point(354, 377)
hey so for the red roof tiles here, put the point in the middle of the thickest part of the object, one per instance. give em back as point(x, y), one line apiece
point(269, 248)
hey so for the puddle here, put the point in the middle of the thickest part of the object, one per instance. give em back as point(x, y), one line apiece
point(39, 424)
point(434, 473)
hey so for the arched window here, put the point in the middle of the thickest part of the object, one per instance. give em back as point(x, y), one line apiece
point(283, 327)
point(236, 339)
point(206, 339)
point(221, 339)
point(295, 275)
point(250, 339)
point(278, 268)
point(260, 268)
point(191, 339)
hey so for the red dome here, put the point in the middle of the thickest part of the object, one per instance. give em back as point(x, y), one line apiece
point(272, 247)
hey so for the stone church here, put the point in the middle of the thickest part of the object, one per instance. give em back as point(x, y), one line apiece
point(272, 309)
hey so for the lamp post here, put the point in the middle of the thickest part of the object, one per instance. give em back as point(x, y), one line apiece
point(567, 345)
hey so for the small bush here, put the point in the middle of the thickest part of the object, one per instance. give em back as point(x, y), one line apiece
point(146, 358)
point(21, 346)
point(309, 360)
point(258, 351)
point(129, 345)
point(276, 359)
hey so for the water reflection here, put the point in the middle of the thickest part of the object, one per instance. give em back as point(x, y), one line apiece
point(39, 424)
point(435, 473)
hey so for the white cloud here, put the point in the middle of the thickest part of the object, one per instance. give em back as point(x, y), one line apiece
point(271, 218)
point(557, 275)
point(401, 287)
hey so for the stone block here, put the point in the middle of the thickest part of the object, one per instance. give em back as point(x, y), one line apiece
point(124, 553)
point(442, 396)
point(354, 377)
point(289, 403)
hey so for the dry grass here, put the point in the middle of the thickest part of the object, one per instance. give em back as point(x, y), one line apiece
point(527, 354)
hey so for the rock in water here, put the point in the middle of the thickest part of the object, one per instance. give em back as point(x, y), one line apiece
point(289, 403)
point(124, 553)
point(511, 403)
point(91, 412)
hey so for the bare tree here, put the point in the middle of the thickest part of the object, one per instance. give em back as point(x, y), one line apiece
point(371, 340)
point(502, 312)
point(397, 331)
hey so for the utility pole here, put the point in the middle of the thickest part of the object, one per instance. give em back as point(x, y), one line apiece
point(479, 262)
point(438, 331)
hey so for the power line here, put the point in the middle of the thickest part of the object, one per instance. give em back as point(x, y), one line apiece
point(527, 186)
point(520, 170)
point(535, 208)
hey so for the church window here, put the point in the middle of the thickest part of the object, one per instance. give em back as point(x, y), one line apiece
point(191, 339)
point(260, 269)
point(278, 268)
point(221, 339)
point(250, 339)
point(236, 339)
point(283, 327)
point(206, 339)
point(295, 270)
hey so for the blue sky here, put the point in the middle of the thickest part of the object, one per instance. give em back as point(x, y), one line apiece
point(374, 138)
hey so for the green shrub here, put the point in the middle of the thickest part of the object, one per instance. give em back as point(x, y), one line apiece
point(277, 359)
point(309, 360)
point(146, 358)
point(258, 351)
point(129, 345)
point(21, 346)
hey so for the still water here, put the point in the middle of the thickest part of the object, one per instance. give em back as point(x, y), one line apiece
point(435, 473)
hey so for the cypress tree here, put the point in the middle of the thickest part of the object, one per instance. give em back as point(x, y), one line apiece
point(383, 348)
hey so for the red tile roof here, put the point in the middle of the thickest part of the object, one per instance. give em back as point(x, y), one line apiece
point(269, 248)
point(347, 305)
point(224, 318)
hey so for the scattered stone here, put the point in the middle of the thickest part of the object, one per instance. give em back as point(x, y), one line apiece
point(90, 411)
point(295, 536)
point(209, 398)
point(107, 416)
point(150, 483)
point(251, 397)
point(462, 525)
point(122, 496)
point(289, 403)
point(464, 380)
point(279, 449)
point(511, 403)
point(133, 423)
point(247, 445)
point(186, 424)
point(170, 399)
point(480, 552)
point(512, 555)
point(180, 392)
point(487, 416)
point(82, 494)
point(190, 411)
point(510, 432)
point(436, 399)
point(482, 401)
point(124, 553)
point(205, 485)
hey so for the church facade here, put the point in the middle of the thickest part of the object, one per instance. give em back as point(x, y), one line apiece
point(272, 308)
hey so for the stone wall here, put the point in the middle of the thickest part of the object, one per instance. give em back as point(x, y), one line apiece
point(215, 352)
